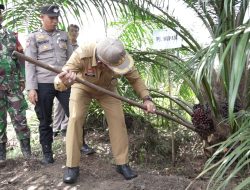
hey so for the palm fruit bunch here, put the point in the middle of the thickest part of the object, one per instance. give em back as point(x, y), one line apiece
point(202, 120)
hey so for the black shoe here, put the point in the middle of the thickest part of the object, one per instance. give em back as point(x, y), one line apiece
point(87, 150)
point(47, 159)
point(2, 152)
point(126, 171)
point(25, 148)
point(70, 175)
point(47, 154)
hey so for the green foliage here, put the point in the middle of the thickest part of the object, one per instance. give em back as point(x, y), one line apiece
point(186, 92)
point(235, 162)
point(23, 15)
point(206, 70)
point(228, 52)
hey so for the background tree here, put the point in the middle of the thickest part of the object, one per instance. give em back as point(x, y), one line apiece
point(216, 74)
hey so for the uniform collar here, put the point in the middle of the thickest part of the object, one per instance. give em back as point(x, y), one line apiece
point(49, 33)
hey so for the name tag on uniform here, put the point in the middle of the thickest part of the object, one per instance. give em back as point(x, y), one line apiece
point(43, 42)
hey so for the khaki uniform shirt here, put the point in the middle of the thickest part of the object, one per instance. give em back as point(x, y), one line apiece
point(51, 48)
point(83, 62)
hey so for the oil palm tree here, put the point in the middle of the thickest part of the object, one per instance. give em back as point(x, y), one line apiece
point(217, 74)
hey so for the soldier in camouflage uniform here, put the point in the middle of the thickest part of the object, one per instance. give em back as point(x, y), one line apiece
point(11, 87)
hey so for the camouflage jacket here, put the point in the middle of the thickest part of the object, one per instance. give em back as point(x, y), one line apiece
point(11, 69)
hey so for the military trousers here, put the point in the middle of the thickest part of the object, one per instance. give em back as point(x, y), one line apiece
point(46, 94)
point(13, 102)
point(78, 106)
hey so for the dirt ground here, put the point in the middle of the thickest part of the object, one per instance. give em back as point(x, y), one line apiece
point(96, 173)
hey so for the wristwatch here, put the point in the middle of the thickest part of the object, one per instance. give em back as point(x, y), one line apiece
point(149, 98)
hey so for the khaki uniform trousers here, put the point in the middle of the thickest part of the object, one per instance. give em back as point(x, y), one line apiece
point(78, 106)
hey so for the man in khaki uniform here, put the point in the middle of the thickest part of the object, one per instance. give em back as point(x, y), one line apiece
point(60, 119)
point(100, 64)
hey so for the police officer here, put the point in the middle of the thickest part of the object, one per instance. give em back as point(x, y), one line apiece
point(101, 64)
point(73, 31)
point(11, 87)
point(51, 46)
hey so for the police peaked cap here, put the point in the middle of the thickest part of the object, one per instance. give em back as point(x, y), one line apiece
point(2, 7)
point(50, 10)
